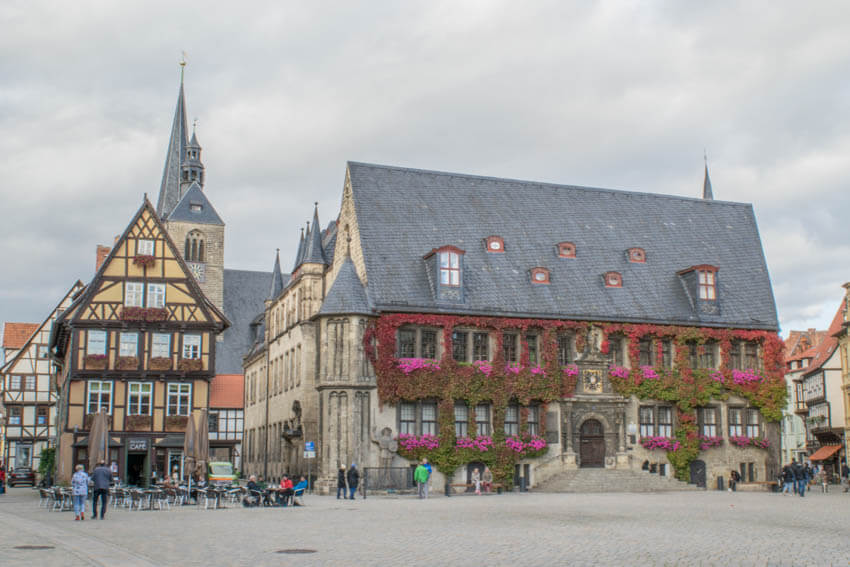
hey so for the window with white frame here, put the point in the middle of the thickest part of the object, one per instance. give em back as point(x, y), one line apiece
point(179, 396)
point(100, 396)
point(665, 421)
point(482, 419)
point(533, 421)
point(139, 398)
point(43, 351)
point(161, 345)
point(708, 422)
point(407, 418)
point(429, 418)
point(512, 420)
point(134, 294)
point(14, 415)
point(647, 421)
point(128, 344)
point(191, 346)
point(96, 342)
point(145, 247)
point(461, 419)
point(156, 295)
point(753, 423)
point(14, 383)
point(736, 422)
point(706, 282)
point(29, 383)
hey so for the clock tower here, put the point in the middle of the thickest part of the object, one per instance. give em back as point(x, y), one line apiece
point(191, 220)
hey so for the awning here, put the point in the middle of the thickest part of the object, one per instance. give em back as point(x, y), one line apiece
point(171, 442)
point(825, 452)
point(84, 442)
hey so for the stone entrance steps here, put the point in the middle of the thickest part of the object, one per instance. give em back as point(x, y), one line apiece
point(611, 480)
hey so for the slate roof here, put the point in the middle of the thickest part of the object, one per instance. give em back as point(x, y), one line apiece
point(277, 278)
point(169, 190)
point(313, 252)
point(227, 391)
point(15, 335)
point(402, 214)
point(347, 294)
point(195, 196)
point(244, 296)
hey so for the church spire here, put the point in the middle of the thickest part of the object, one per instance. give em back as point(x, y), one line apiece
point(191, 166)
point(300, 253)
point(169, 190)
point(277, 278)
point(313, 253)
point(707, 193)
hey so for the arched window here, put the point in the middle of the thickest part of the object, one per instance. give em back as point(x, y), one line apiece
point(194, 248)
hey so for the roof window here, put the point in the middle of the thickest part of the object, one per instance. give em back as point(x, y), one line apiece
point(196, 207)
point(637, 255)
point(446, 265)
point(566, 250)
point(495, 244)
point(613, 279)
point(539, 275)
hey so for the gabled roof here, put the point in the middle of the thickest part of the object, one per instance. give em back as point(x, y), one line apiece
point(195, 207)
point(823, 351)
point(313, 252)
point(347, 294)
point(245, 293)
point(403, 213)
point(15, 335)
point(227, 391)
point(801, 344)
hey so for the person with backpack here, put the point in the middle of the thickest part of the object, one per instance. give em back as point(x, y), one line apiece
point(340, 483)
point(420, 477)
point(799, 478)
point(787, 479)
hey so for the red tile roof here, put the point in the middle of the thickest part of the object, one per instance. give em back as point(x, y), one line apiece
point(227, 391)
point(15, 335)
point(801, 344)
point(824, 350)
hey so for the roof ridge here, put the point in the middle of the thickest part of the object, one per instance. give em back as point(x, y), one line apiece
point(550, 184)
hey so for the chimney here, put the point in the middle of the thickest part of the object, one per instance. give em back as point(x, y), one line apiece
point(102, 253)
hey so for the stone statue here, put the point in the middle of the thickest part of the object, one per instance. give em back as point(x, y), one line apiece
point(388, 444)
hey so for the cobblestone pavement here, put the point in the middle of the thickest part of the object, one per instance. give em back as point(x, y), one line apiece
point(675, 528)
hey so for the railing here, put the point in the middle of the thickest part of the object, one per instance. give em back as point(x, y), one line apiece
point(386, 478)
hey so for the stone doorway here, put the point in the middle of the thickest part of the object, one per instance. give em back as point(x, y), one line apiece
point(592, 444)
point(698, 473)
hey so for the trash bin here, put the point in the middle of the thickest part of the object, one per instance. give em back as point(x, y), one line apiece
point(720, 482)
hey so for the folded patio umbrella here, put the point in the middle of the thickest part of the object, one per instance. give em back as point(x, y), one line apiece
point(189, 447)
point(98, 439)
point(202, 443)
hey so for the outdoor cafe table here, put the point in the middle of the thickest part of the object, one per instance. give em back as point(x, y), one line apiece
point(149, 495)
point(217, 493)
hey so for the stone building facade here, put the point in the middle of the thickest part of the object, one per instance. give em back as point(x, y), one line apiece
point(581, 304)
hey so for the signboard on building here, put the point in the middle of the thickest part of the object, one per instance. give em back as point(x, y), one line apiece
point(137, 445)
point(309, 450)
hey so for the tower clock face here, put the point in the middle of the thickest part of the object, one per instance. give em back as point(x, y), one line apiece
point(198, 270)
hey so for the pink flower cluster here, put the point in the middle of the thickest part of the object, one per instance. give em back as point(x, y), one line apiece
point(513, 368)
point(649, 373)
point(520, 445)
point(571, 370)
point(707, 442)
point(619, 372)
point(481, 443)
point(484, 366)
point(717, 376)
point(744, 441)
point(746, 377)
point(666, 443)
point(408, 365)
point(538, 370)
point(412, 442)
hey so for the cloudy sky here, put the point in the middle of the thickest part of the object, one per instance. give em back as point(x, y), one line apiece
point(617, 94)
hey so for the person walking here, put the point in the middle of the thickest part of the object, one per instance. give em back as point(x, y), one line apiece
point(799, 478)
point(353, 478)
point(420, 477)
point(79, 492)
point(787, 479)
point(3, 479)
point(101, 478)
point(476, 481)
point(340, 483)
point(430, 473)
point(845, 476)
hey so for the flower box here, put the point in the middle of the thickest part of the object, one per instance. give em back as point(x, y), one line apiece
point(139, 422)
point(144, 314)
point(160, 363)
point(127, 363)
point(144, 260)
point(481, 443)
point(189, 364)
point(176, 422)
point(666, 443)
point(707, 442)
point(96, 361)
point(744, 441)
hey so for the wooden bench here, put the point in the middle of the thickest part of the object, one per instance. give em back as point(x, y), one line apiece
point(756, 485)
point(494, 486)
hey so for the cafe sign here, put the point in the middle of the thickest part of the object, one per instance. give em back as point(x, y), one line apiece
point(138, 445)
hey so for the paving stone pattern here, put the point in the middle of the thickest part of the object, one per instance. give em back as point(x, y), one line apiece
point(669, 528)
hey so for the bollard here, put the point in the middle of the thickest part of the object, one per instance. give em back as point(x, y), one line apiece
point(522, 487)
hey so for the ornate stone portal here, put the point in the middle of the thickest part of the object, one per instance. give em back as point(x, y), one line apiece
point(593, 420)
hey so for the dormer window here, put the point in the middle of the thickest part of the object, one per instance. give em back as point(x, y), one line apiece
point(540, 276)
point(566, 250)
point(637, 255)
point(449, 268)
point(707, 285)
point(196, 207)
point(495, 244)
point(613, 279)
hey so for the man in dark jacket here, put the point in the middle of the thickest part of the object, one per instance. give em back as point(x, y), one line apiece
point(101, 477)
point(340, 483)
point(787, 479)
point(353, 478)
point(799, 477)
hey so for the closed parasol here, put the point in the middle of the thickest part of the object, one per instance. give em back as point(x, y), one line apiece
point(189, 447)
point(202, 443)
point(98, 439)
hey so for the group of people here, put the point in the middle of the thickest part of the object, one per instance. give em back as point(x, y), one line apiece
point(100, 479)
point(480, 481)
point(259, 493)
point(347, 481)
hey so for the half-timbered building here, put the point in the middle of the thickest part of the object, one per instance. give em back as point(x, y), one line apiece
point(140, 344)
point(29, 395)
